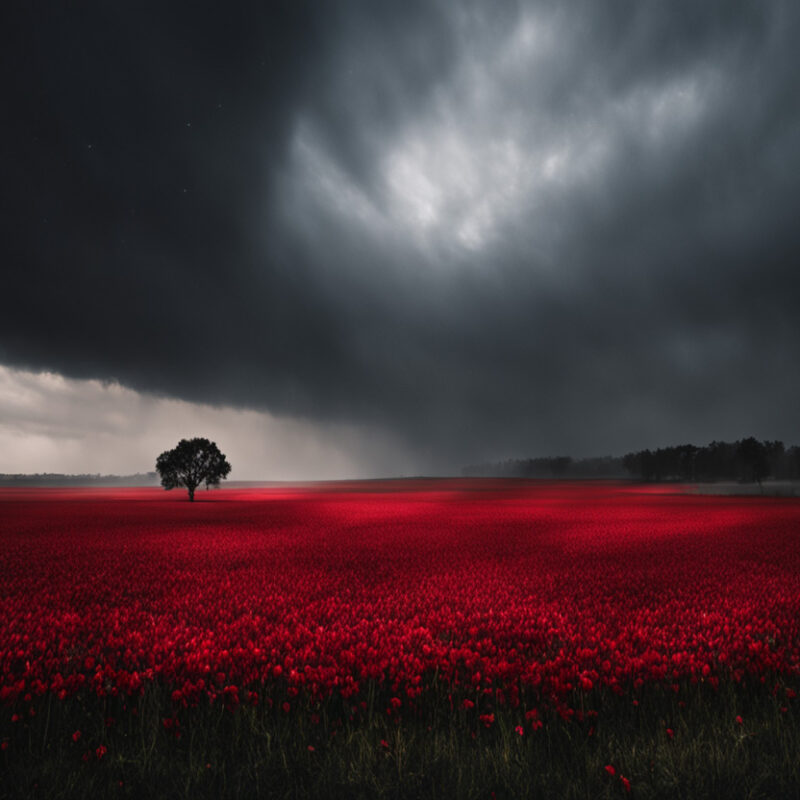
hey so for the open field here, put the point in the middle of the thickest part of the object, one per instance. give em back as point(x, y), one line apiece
point(447, 638)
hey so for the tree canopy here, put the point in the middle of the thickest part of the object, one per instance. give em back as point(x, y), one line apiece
point(192, 463)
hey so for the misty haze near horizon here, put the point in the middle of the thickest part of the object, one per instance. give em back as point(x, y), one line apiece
point(397, 238)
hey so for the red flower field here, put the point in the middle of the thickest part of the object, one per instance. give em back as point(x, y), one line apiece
point(272, 595)
point(481, 597)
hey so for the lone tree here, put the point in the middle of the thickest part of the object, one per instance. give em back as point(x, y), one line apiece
point(192, 462)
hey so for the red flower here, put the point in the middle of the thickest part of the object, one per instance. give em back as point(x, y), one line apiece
point(76, 736)
point(610, 770)
point(626, 784)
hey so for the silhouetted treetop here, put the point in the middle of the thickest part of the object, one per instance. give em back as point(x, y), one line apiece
point(191, 463)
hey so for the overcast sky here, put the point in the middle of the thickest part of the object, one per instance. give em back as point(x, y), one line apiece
point(364, 238)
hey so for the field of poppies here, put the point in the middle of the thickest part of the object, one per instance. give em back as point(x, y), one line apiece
point(399, 638)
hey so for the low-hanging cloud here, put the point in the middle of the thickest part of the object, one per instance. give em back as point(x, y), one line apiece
point(49, 423)
point(520, 229)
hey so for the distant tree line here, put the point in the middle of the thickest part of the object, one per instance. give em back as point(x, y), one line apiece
point(744, 460)
point(549, 467)
point(59, 479)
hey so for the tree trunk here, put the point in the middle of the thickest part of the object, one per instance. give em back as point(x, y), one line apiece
point(191, 494)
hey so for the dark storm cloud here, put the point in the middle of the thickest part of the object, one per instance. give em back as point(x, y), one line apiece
point(493, 229)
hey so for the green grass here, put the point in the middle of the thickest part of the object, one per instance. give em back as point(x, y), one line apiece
point(434, 753)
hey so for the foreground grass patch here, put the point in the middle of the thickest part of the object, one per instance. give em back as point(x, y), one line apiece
point(740, 740)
